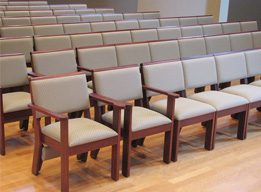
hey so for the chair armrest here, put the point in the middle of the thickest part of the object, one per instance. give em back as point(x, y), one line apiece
point(48, 112)
point(107, 100)
point(84, 69)
point(174, 95)
point(33, 74)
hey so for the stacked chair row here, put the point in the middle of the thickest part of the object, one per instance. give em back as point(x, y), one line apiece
point(5, 3)
point(52, 96)
point(163, 49)
point(173, 21)
point(42, 7)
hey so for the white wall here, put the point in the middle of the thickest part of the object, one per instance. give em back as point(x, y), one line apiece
point(174, 8)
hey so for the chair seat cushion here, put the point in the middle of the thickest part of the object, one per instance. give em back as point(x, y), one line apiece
point(80, 131)
point(250, 92)
point(16, 101)
point(184, 108)
point(256, 83)
point(219, 100)
point(90, 84)
point(142, 118)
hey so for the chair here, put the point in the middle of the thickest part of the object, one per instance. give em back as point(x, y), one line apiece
point(77, 28)
point(69, 136)
point(192, 47)
point(166, 78)
point(187, 21)
point(104, 10)
point(149, 23)
point(41, 13)
point(103, 26)
point(218, 44)
point(204, 20)
point(256, 39)
point(169, 33)
point(77, 6)
point(59, 6)
point(132, 16)
point(8, 21)
point(151, 15)
point(248, 26)
point(17, 31)
point(137, 121)
point(84, 11)
point(241, 41)
point(165, 22)
point(144, 35)
point(112, 17)
point(84, 40)
point(43, 20)
point(17, 7)
point(116, 37)
point(127, 25)
point(231, 28)
point(64, 12)
point(17, 13)
point(212, 29)
point(44, 43)
point(191, 31)
point(14, 93)
point(68, 19)
point(53, 29)
point(37, 2)
point(91, 18)
point(39, 7)
point(253, 60)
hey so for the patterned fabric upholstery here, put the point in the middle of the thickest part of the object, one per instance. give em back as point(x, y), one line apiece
point(164, 50)
point(144, 35)
point(52, 43)
point(77, 28)
point(16, 101)
point(253, 59)
point(169, 33)
point(48, 29)
point(241, 41)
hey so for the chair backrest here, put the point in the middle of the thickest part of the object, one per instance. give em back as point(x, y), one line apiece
point(44, 43)
point(95, 58)
point(186, 21)
point(192, 47)
point(18, 3)
point(104, 10)
point(39, 7)
point(77, 6)
point(133, 15)
point(149, 23)
point(169, 33)
point(203, 20)
point(217, 44)
point(54, 62)
point(37, 2)
point(8, 21)
point(103, 26)
point(199, 72)
point(18, 7)
point(91, 17)
point(13, 71)
point(247, 26)
point(144, 35)
point(167, 76)
point(164, 50)
point(133, 54)
point(63, 94)
point(253, 59)
point(231, 67)
point(43, 20)
point(68, 19)
point(41, 13)
point(213, 29)
point(64, 12)
point(22, 45)
point(231, 28)
point(121, 84)
point(59, 6)
point(84, 40)
point(151, 15)
point(77, 28)
point(241, 41)
point(190, 31)
point(257, 39)
point(112, 17)
point(165, 22)
point(130, 24)
point(17, 13)
point(84, 11)
point(54, 29)
point(116, 37)
point(17, 31)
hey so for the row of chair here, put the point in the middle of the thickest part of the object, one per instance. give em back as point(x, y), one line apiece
point(42, 7)
point(4, 3)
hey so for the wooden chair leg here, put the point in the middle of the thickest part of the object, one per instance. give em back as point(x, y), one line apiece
point(24, 124)
point(82, 157)
point(126, 157)
point(210, 135)
point(37, 159)
point(2, 138)
point(94, 153)
point(242, 125)
point(115, 160)
point(175, 142)
point(64, 173)
point(167, 146)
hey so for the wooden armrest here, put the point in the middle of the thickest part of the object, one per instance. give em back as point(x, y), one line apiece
point(47, 112)
point(110, 101)
point(174, 95)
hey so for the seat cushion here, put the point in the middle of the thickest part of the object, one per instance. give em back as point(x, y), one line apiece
point(184, 108)
point(219, 100)
point(90, 84)
point(16, 101)
point(80, 131)
point(142, 118)
point(256, 83)
point(250, 92)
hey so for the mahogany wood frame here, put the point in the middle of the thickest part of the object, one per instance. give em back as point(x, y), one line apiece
point(62, 146)
point(128, 135)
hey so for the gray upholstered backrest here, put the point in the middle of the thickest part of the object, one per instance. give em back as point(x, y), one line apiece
point(120, 84)
point(253, 59)
point(64, 12)
point(56, 29)
point(217, 44)
point(77, 28)
point(41, 13)
point(112, 17)
point(133, 16)
point(91, 17)
point(17, 13)
point(241, 41)
point(213, 29)
point(167, 76)
point(17, 31)
point(43, 20)
point(192, 47)
point(83, 40)
point(43, 43)
point(248, 26)
point(186, 21)
point(7, 21)
point(169, 33)
point(203, 20)
point(103, 26)
point(169, 22)
point(68, 19)
point(116, 37)
point(231, 28)
point(151, 15)
point(144, 35)
point(191, 31)
point(127, 24)
point(257, 39)
point(149, 23)
point(13, 71)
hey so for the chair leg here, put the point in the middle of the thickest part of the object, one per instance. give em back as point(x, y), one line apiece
point(24, 124)
point(94, 153)
point(82, 157)
point(126, 157)
point(242, 125)
point(210, 134)
point(37, 159)
point(2, 137)
point(115, 160)
point(175, 142)
point(64, 173)
point(167, 146)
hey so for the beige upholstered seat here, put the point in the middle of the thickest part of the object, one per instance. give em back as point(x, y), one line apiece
point(91, 17)
point(64, 12)
point(17, 13)
point(43, 20)
point(112, 17)
point(218, 44)
point(44, 43)
point(186, 21)
point(142, 118)
point(133, 16)
point(133, 54)
point(81, 131)
point(116, 37)
point(203, 20)
point(190, 31)
point(151, 15)
point(41, 13)
point(8, 21)
point(164, 50)
point(130, 24)
point(165, 33)
point(149, 23)
point(192, 47)
point(231, 28)
point(213, 29)
point(164, 22)
point(103, 26)
point(77, 28)
point(247, 26)
point(83, 40)
point(55, 29)
point(256, 39)
point(68, 19)
point(16, 101)
point(144, 35)
point(17, 31)
point(242, 41)
point(257, 83)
